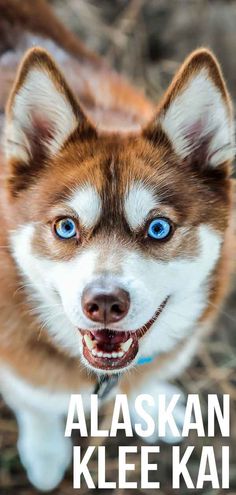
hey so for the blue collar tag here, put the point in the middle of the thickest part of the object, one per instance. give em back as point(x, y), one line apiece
point(144, 360)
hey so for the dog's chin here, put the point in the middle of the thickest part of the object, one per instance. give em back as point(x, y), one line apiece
point(107, 350)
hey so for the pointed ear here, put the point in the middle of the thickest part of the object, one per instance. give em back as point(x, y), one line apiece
point(41, 112)
point(196, 113)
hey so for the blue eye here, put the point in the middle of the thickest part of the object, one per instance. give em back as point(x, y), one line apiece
point(159, 229)
point(65, 228)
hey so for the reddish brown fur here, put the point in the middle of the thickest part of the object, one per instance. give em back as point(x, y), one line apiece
point(23, 16)
point(89, 153)
point(127, 104)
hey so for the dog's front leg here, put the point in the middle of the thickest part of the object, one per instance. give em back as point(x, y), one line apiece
point(44, 451)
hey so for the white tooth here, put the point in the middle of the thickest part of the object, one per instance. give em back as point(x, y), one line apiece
point(88, 342)
point(120, 354)
point(114, 354)
point(100, 354)
point(126, 345)
point(94, 352)
point(105, 354)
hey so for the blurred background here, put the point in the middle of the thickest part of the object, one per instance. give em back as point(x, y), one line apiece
point(146, 40)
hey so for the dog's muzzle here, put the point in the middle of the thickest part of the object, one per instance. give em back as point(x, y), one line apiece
point(114, 350)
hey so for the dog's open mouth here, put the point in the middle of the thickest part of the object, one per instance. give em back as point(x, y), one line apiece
point(113, 350)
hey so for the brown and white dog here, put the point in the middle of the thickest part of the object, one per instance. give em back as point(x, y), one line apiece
point(116, 232)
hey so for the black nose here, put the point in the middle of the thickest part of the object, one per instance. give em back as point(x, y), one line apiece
point(105, 303)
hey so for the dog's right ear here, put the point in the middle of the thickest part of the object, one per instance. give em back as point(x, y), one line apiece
point(41, 114)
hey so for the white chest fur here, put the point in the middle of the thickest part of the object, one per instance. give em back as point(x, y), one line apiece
point(20, 394)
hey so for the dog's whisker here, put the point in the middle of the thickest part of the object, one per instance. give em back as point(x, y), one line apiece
point(22, 287)
point(39, 309)
point(48, 320)
point(220, 310)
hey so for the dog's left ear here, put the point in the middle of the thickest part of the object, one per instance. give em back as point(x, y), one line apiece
point(196, 113)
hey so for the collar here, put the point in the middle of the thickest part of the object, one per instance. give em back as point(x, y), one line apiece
point(144, 360)
point(105, 383)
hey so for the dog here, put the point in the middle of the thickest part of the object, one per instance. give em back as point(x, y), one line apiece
point(116, 227)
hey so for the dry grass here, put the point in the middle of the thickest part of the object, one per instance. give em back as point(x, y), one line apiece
point(147, 40)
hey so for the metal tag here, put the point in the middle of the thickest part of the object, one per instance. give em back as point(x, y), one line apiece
point(105, 384)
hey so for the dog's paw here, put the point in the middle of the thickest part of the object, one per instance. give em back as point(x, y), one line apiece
point(156, 390)
point(45, 454)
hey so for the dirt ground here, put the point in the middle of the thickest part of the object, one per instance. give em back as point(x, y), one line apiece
point(146, 40)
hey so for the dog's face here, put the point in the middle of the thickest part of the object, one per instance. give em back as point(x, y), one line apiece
point(118, 236)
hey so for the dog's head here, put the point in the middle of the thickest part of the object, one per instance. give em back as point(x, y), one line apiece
point(118, 236)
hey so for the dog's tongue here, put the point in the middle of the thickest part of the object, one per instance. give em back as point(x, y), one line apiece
point(108, 340)
point(109, 336)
